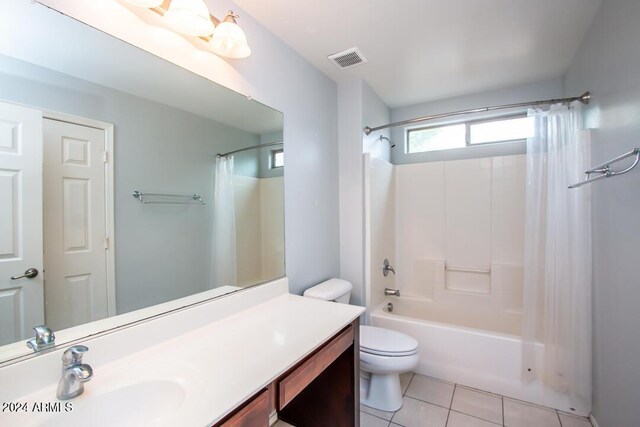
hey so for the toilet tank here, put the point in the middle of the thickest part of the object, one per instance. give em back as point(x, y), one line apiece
point(337, 290)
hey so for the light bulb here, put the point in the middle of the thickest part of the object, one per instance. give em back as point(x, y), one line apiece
point(229, 40)
point(145, 3)
point(189, 17)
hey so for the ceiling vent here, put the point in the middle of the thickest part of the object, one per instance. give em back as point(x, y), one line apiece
point(348, 58)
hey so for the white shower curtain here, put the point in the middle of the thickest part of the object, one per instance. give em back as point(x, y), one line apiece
point(223, 264)
point(557, 270)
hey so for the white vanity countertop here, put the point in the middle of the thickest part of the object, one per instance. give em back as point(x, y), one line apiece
point(220, 365)
point(245, 352)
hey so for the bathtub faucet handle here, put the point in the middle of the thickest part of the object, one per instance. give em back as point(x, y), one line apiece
point(387, 268)
point(394, 292)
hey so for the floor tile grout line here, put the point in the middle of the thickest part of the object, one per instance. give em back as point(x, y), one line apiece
point(430, 403)
point(455, 387)
point(380, 418)
point(477, 418)
point(450, 404)
point(409, 385)
point(559, 419)
point(434, 379)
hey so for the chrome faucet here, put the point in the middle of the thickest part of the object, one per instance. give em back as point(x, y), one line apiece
point(74, 373)
point(387, 268)
point(45, 338)
point(394, 292)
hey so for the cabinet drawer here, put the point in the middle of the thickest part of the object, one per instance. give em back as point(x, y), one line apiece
point(254, 413)
point(291, 385)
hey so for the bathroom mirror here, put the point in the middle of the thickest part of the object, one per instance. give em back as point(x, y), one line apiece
point(115, 186)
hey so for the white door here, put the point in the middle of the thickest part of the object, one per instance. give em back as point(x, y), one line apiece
point(75, 224)
point(21, 300)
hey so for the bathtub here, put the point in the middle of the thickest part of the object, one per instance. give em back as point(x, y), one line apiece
point(483, 359)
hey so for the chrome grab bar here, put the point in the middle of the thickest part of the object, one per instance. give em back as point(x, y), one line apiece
point(604, 169)
point(195, 199)
point(468, 270)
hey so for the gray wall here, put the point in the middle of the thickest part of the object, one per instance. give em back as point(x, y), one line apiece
point(282, 79)
point(608, 64)
point(358, 104)
point(162, 252)
point(532, 92)
point(375, 112)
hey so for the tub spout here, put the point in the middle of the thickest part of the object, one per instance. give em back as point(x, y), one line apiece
point(394, 292)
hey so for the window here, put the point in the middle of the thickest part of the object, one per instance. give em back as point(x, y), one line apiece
point(436, 138)
point(420, 140)
point(500, 130)
point(277, 158)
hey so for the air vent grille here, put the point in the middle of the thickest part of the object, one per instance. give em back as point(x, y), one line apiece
point(348, 58)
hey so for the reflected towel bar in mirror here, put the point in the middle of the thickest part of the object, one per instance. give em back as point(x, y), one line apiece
point(187, 199)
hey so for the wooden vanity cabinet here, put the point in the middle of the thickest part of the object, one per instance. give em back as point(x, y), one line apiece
point(322, 390)
point(253, 413)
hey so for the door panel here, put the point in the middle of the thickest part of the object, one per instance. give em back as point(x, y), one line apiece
point(75, 224)
point(21, 300)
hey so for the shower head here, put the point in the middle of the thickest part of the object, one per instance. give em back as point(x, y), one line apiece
point(383, 138)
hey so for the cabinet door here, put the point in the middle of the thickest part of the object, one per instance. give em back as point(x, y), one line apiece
point(254, 413)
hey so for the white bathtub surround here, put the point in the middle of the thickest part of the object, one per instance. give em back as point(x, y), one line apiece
point(459, 242)
point(557, 275)
point(259, 230)
point(457, 230)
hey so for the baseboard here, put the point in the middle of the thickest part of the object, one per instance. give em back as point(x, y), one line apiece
point(594, 423)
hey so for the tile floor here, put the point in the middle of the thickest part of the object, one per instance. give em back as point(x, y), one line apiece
point(429, 402)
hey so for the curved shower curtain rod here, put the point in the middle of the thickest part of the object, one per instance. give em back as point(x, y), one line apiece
point(584, 98)
point(253, 147)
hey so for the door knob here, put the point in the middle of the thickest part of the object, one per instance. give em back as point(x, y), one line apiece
point(29, 274)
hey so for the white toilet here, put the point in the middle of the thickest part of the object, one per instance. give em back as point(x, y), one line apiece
point(384, 354)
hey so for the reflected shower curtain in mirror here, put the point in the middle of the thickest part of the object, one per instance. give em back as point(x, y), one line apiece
point(557, 270)
point(223, 264)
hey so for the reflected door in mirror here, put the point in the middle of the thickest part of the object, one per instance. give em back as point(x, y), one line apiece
point(75, 225)
point(21, 299)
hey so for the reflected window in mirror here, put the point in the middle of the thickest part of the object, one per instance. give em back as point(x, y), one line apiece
point(277, 158)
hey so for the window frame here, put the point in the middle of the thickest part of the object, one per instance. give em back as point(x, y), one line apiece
point(272, 158)
point(468, 124)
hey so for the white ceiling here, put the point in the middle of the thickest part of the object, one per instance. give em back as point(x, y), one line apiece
point(423, 50)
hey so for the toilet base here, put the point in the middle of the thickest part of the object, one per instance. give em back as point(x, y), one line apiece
point(381, 391)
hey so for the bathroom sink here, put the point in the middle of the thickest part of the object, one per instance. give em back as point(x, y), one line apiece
point(132, 395)
point(139, 404)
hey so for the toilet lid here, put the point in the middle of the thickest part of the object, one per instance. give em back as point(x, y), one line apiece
point(386, 342)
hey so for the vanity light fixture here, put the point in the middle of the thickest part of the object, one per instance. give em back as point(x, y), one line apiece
point(229, 40)
point(191, 17)
point(145, 3)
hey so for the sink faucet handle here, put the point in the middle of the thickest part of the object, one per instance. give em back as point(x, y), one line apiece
point(44, 338)
point(73, 355)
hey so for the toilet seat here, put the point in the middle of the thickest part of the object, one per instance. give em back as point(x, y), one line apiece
point(385, 342)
